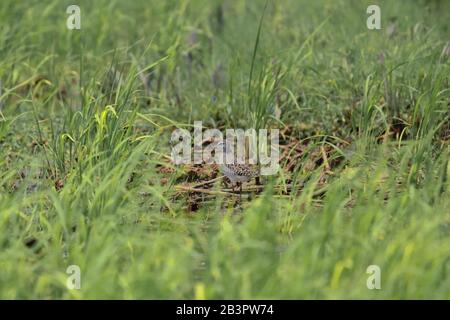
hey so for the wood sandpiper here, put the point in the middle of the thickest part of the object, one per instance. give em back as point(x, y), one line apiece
point(237, 173)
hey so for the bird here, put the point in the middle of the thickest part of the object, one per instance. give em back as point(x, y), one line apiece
point(237, 173)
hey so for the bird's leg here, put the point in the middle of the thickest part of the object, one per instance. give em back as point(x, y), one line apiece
point(240, 191)
point(231, 185)
point(258, 183)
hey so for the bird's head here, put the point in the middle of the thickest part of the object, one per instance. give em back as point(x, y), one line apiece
point(221, 144)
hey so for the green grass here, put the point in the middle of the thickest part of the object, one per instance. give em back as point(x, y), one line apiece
point(85, 123)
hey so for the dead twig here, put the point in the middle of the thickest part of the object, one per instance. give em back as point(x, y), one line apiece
point(206, 191)
point(207, 182)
